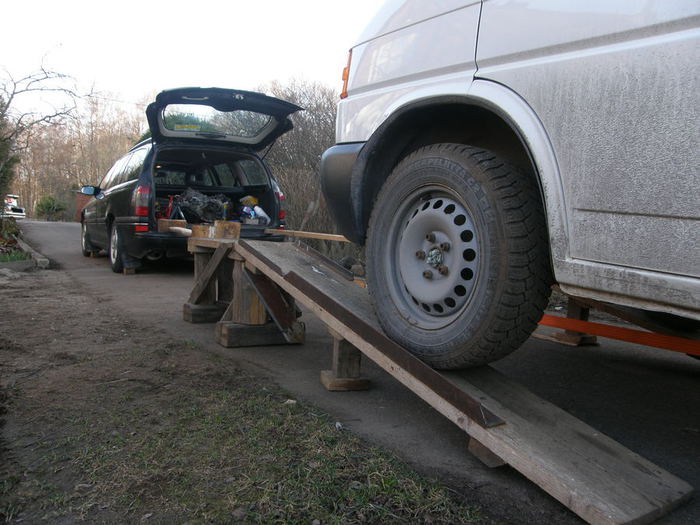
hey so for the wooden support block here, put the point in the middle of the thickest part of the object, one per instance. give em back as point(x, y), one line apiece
point(165, 224)
point(484, 455)
point(346, 359)
point(576, 311)
point(224, 281)
point(342, 384)
point(345, 374)
point(227, 230)
point(246, 306)
point(568, 337)
point(296, 334)
point(202, 313)
point(205, 269)
point(129, 271)
point(255, 299)
point(201, 230)
point(279, 307)
point(233, 335)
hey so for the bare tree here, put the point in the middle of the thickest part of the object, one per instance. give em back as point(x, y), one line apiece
point(16, 124)
point(62, 156)
point(296, 157)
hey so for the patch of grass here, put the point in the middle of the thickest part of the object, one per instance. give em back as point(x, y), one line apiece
point(14, 255)
point(242, 453)
point(223, 447)
point(8, 245)
point(143, 427)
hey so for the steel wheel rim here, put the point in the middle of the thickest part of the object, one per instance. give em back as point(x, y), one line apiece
point(83, 241)
point(113, 245)
point(433, 243)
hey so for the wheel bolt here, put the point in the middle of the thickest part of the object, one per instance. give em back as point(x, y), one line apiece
point(443, 269)
point(445, 246)
point(428, 274)
point(420, 254)
point(430, 237)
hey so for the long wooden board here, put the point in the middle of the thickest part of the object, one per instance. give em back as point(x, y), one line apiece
point(594, 476)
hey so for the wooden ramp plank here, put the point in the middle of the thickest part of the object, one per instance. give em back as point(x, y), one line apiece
point(300, 270)
point(593, 475)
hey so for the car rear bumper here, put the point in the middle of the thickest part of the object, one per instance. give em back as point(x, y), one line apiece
point(337, 165)
point(141, 244)
point(13, 214)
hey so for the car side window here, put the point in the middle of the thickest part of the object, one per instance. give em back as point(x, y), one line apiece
point(253, 172)
point(225, 175)
point(133, 168)
point(109, 180)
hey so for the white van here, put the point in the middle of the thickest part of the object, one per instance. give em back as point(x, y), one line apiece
point(488, 149)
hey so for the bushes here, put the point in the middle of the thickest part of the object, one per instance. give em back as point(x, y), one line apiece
point(49, 208)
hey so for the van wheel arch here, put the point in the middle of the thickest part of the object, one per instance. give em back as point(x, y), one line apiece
point(450, 119)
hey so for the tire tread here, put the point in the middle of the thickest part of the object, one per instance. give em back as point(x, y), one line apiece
point(518, 308)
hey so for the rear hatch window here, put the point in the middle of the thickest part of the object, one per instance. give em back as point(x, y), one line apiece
point(224, 116)
point(205, 120)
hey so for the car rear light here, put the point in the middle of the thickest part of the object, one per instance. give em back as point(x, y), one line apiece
point(142, 201)
point(142, 228)
point(280, 202)
point(346, 76)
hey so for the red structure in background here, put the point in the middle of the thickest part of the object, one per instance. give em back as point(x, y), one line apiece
point(80, 202)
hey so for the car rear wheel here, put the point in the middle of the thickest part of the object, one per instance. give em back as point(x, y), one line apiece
point(457, 256)
point(86, 246)
point(115, 250)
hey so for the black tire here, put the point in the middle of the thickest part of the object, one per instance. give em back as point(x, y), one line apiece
point(476, 225)
point(115, 250)
point(85, 245)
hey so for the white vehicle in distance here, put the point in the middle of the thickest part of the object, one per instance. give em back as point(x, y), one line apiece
point(489, 149)
point(11, 208)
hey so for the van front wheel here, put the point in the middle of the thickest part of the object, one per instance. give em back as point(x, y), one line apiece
point(457, 256)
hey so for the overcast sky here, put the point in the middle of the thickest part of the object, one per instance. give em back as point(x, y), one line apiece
point(135, 48)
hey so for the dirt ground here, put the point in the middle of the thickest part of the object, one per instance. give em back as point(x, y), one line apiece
point(107, 420)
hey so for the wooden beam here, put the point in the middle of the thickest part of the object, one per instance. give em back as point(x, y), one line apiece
point(308, 235)
point(281, 313)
